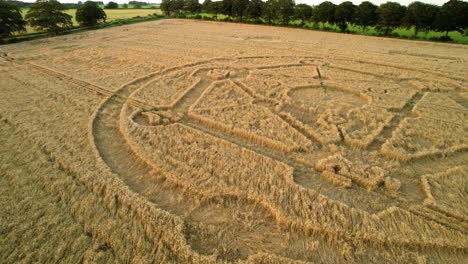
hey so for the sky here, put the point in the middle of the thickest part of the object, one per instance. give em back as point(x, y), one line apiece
point(309, 2)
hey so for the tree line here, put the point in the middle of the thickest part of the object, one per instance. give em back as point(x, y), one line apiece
point(451, 16)
point(109, 5)
point(47, 15)
point(50, 16)
point(134, 4)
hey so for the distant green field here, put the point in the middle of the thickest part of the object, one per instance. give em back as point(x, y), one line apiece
point(144, 7)
point(112, 14)
point(155, 6)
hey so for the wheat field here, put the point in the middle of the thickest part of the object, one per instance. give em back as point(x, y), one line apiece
point(179, 141)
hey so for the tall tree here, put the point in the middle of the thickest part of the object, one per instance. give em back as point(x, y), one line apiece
point(192, 6)
point(303, 12)
point(10, 19)
point(422, 16)
point(285, 10)
point(391, 16)
point(207, 6)
point(344, 13)
point(269, 12)
point(48, 15)
point(366, 15)
point(217, 7)
point(239, 7)
point(177, 6)
point(453, 16)
point(254, 9)
point(324, 12)
point(169, 7)
point(166, 7)
point(111, 5)
point(226, 7)
point(89, 13)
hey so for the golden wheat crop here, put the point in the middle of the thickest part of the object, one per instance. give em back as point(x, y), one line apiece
point(179, 141)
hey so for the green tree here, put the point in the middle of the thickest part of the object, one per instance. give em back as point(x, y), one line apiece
point(125, 6)
point(366, 15)
point(285, 10)
point(217, 7)
point(177, 6)
point(303, 12)
point(192, 6)
point(344, 13)
point(166, 7)
point(89, 13)
point(207, 6)
point(111, 5)
point(48, 15)
point(269, 12)
point(391, 16)
point(226, 7)
point(324, 12)
point(422, 16)
point(169, 7)
point(453, 16)
point(10, 19)
point(238, 8)
point(254, 9)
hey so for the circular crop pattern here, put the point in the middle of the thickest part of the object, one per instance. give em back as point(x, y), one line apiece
point(307, 147)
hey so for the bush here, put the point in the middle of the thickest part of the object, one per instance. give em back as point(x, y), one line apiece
point(11, 40)
point(258, 21)
point(227, 19)
point(443, 39)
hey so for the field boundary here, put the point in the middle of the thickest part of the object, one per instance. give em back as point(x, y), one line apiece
point(121, 22)
point(78, 29)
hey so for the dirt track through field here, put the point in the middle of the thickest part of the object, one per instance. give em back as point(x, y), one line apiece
point(386, 133)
